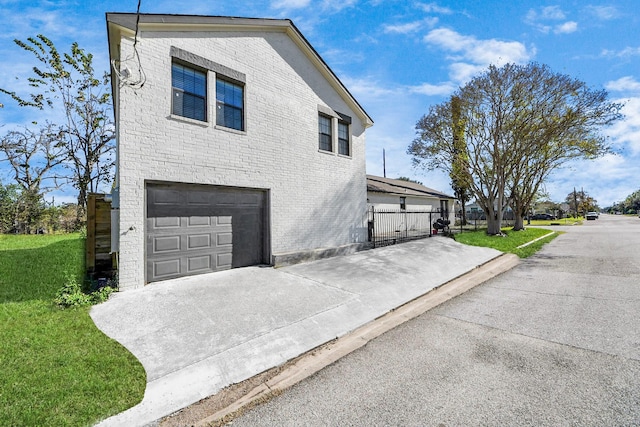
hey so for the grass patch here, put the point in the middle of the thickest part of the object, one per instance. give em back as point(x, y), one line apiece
point(57, 367)
point(509, 242)
point(562, 221)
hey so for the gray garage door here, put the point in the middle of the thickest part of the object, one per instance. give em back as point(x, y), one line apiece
point(193, 229)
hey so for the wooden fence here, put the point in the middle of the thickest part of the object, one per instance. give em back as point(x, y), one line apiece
point(98, 257)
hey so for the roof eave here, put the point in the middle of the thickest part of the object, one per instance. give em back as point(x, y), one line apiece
point(151, 22)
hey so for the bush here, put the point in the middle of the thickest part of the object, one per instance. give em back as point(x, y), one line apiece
point(72, 294)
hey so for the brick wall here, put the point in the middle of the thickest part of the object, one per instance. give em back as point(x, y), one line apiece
point(317, 200)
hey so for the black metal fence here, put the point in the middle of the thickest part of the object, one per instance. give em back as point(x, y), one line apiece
point(388, 227)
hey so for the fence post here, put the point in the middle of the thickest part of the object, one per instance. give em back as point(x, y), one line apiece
point(372, 226)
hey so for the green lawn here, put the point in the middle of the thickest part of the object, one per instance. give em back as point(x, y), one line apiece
point(510, 241)
point(56, 367)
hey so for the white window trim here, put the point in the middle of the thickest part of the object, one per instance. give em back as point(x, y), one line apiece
point(335, 117)
point(213, 71)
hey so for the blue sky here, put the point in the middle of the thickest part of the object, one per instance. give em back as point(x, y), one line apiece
point(398, 57)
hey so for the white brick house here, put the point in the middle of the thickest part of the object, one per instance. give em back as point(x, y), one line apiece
point(237, 145)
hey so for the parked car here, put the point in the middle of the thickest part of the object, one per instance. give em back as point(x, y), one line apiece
point(544, 216)
point(592, 215)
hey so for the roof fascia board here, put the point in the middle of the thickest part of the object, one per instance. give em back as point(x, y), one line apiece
point(149, 22)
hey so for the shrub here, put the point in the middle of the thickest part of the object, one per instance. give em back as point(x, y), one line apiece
point(72, 293)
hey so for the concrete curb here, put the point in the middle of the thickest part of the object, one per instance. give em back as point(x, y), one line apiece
point(323, 356)
point(535, 240)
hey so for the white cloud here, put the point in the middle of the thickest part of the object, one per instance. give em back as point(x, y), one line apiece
point(566, 28)
point(290, 4)
point(552, 13)
point(607, 179)
point(337, 5)
point(625, 134)
point(544, 20)
point(627, 52)
point(410, 27)
point(365, 88)
point(471, 55)
point(326, 5)
point(434, 8)
point(623, 84)
point(604, 13)
point(428, 89)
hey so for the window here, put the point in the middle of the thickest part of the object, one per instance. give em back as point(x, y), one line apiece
point(325, 135)
point(189, 88)
point(403, 203)
point(230, 103)
point(343, 138)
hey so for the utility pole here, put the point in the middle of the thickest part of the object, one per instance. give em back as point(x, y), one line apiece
point(384, 164)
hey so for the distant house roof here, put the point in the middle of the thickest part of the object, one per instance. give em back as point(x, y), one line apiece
point(378, 184)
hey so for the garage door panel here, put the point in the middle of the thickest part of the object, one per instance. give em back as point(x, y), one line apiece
point(224, 239)
point(166, 222)
point(198, 263)
point(165, 269)
point(198, 198)
point(198, 229)
point(224, 261)
point(167, 196)
point(164, 244)
point(224, 220)
point(250, 199)
point(199, 221)
point(199, 241)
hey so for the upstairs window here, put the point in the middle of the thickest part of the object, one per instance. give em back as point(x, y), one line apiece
point(325, 141)
point(230, 104)
point(343, 138)
point(189, 90)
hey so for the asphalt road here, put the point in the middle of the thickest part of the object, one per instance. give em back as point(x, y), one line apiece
point(553, 342)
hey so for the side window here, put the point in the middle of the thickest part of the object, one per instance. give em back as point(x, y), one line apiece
point(189, 92)
point(343, 138)
point(403, 203)
point(325, 141)
point(230, 104)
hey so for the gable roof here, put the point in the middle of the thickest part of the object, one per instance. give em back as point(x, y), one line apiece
point(119, 23)
point(378, 184)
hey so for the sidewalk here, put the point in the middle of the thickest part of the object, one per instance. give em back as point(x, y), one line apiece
point(197, 335)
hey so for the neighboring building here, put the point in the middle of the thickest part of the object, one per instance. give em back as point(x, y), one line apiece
point(396, 194)
point(475, 212)
point(237, 145)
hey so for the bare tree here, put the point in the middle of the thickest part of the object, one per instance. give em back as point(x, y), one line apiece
point(520, 123)
point(67, 82)
point(34, 158)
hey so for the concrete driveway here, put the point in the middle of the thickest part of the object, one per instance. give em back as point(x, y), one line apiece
point(197, 335)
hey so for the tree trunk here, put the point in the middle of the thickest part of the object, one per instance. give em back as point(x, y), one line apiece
point(494, 225)
point(463, 218)
point(519, 222)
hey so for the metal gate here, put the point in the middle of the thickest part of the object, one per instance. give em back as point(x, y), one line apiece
point(388, 227)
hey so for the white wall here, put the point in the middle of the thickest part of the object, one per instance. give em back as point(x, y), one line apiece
point(317, 199)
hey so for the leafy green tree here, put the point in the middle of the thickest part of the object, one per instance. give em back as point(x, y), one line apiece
point(33, 157)
point(9, 195)
point(580, 202)
point(460, 176)
point(68, 83)
point(404, 178)
point(520, 123)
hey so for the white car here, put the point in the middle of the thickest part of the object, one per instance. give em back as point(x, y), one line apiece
point(592, 215)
